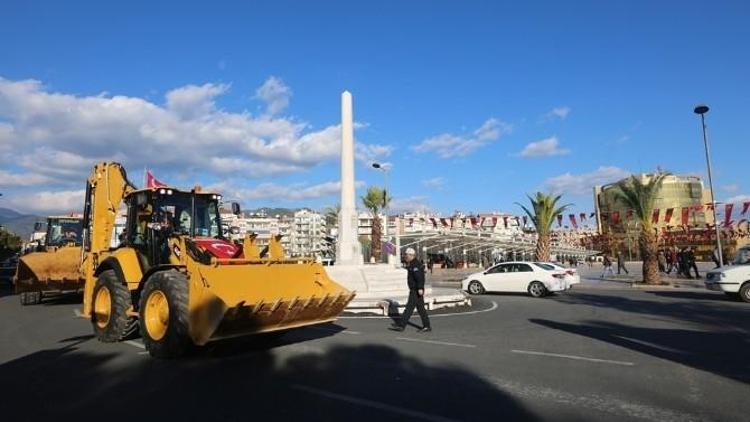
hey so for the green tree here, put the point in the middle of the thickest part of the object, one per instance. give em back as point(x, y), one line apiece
point(375, 200)
point(640, 197)
point(10, 244)
point(331, 215)
point(544, 214)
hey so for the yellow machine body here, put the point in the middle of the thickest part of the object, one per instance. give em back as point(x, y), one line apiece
point(251, 291)
point(56, 267)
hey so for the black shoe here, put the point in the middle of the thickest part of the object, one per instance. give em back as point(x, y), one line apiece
point(424, 330)
point(396, 327)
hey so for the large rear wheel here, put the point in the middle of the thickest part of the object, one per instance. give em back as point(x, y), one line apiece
point(112, 301)
point(164, 314)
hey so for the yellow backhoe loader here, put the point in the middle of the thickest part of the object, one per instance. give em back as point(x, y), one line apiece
point(177, 277)
point(54, 267)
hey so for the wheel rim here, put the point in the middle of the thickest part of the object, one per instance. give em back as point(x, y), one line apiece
point(156, 315)
point(747, 295)
point(474, 288)
point(536, 289)
point(102, 307)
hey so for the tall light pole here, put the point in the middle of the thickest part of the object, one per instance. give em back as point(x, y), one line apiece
point(384, 168)
point(702, 109)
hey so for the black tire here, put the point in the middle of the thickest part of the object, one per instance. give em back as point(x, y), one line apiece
point(176, 340)
point(30, 298)
point(537, 289)
point(475, 287)
point(745, 292)
point(119, 325)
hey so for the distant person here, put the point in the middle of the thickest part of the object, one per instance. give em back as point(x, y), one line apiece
point(662, 259)
point(669, 256)
point(691, 263)
point(681, 265)
point(415, 281)
point(715, 258)
point(621, 263)
point(607, 266)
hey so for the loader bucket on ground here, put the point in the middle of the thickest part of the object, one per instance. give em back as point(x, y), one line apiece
point(236, 297)
point(47, 271)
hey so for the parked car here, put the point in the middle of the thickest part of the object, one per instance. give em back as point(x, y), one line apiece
point(519, 277)
point(733, 280)
point(572, 276)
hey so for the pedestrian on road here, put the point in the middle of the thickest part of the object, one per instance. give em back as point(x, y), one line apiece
point(415, 281)
point(691, 263)
point(670, 260)
point(715, 258)
point(607, 264)
point(681, 263)
point(662, 261)
point(621, 263)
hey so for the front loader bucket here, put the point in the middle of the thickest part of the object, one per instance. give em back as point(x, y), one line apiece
point(239, 297)
point(54, 270)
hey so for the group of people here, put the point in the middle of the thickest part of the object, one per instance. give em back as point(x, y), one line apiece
point(607, 265)
point(679, 260)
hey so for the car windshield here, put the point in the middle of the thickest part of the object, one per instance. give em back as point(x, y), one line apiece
point(544, 266)
point(743, 257)
point(176, 211)
point(61, 231)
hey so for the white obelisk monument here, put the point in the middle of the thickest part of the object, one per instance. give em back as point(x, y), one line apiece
point(348, 249)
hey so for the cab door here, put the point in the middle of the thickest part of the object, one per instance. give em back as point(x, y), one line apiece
point(496, 278)
point(520, 277)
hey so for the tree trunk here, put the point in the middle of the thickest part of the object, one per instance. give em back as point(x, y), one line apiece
point(376, 246)
point(542, 248)
point(649, 246)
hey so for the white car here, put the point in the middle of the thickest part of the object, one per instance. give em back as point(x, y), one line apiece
point(516, 277)
point(571, 277)
point(734, 280)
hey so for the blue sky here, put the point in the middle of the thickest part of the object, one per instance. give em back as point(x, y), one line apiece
point(473, 103)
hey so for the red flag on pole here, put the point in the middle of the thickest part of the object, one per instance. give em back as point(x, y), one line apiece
point(505, 222)
point(668, 215)
point(573, 222)
point(152, 182)
point(745, 206)
point(685, 215)
point(728, 214)
point(559, 220)
point(655, 216)
point(582, 217)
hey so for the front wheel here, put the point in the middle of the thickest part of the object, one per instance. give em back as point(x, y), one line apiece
point(112, 301)
point(475, 287)
point(745, 292)
point(537, 289)
point(164, 314)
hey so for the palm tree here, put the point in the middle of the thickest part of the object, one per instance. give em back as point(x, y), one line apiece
point(374, 200)
point(545, 211)
point(640, 197)
point(331, 215)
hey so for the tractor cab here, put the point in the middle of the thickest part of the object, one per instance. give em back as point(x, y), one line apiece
point(63, 231)
point(158, 218)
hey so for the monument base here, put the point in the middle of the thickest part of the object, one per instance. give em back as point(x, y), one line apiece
point(381, 288)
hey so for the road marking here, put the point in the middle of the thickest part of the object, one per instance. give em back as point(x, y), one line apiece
point(333, 330)
point(442, 343)
point(491, 308)
point(558, 355)
point(373, 404)
point(135, 344)
point(77, 313)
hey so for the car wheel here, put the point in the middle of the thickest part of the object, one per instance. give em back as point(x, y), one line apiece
point(745, 292)
point(475, 287)
point(537, 289)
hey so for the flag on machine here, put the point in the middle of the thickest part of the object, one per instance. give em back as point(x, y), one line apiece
point(153, 182)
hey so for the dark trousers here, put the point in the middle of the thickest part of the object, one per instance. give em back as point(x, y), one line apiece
point(692, 266)
point(621, 265)
point(415, 300)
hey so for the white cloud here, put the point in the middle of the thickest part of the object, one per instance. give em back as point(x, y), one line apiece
point(22, 179)
point(731, 188)
point(448, 145)
point(47, 203)
point(434, 183)
point(371, 153)
point(274, 192)
point(62, 135)
point(737, 198)
point(583, 184)
point(557, 113)
point(408, 204)
point(275, 94)
point(544, 148)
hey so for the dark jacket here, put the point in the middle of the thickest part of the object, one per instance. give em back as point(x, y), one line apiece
point(415, 277)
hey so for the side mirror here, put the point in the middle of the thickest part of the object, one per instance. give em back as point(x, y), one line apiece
point(37, 226)
point(236, 209)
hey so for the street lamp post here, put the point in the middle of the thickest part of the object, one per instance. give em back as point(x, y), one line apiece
point(702, 109)
point(384, 168)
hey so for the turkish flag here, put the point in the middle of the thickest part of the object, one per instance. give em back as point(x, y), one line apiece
point(655, 216)
point(583, 216)
point(152, 182)
point(745, 206)
point(505, 222)
point(728, 214)
point(573, 222)
point(685, 215)
point(559, 220)
point(668, 215)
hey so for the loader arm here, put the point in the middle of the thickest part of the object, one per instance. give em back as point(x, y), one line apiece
point(106, 188)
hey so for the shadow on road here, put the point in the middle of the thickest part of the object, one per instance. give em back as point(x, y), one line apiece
point(299, 380)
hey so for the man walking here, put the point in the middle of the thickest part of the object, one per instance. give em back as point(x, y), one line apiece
point(621, 263)
point(415, 280)
point(606, 266)
point(691, 263)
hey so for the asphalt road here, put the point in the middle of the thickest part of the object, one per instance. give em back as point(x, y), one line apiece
point(587, 355)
